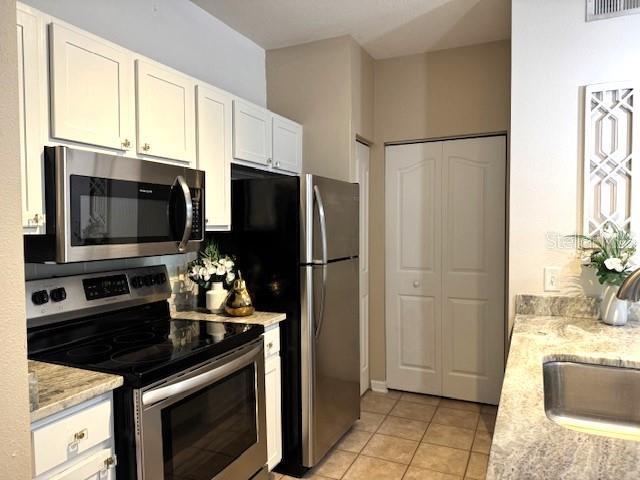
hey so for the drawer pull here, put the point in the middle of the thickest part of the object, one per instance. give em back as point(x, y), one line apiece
point(78, 437)
point(110, 462)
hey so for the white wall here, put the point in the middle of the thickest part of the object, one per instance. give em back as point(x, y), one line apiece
point(14, 399)
point(177, 33)
point(554, 53)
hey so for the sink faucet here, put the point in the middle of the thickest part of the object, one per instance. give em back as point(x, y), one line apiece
point(630, 288)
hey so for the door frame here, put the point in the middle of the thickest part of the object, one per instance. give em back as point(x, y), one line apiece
point(498, 133)
point(365, 375)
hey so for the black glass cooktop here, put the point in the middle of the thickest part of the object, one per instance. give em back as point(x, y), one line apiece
point(137, 344)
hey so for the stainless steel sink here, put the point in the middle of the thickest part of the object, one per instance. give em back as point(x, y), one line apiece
point(597, 399)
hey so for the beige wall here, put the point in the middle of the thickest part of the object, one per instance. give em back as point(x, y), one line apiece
point(14, 400)
point(555, 54)
point(444, 93)
point(310, 83)
point(328, 87)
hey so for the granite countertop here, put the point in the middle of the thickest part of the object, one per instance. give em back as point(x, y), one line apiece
point(265, 319)
point(61, 387)
point(526, 444)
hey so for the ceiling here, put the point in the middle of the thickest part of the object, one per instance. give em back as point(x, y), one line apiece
point(385, 28)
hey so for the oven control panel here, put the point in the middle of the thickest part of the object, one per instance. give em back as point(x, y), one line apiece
point(103, 287)
point(54, 299)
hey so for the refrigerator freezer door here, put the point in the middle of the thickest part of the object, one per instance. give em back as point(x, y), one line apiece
point(337, 203)
point(330, 349)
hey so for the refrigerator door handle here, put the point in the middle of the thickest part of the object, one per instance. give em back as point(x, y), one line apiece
point(323, 224)
point(323, 235)
point(323, 297)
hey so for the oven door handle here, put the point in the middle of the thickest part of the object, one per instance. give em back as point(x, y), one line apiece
point(157, 395)
point(188, 224)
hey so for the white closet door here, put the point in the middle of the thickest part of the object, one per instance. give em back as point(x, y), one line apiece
point(473, 262)
point(445, 224)
point(413, 267)
point(362, 157)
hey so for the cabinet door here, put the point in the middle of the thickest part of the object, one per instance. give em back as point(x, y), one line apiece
point(251, 133)
point(91, 90)
point(287, 144)
point(214, 139)
point(31, 67)
point(274, 414)
point(166, 113)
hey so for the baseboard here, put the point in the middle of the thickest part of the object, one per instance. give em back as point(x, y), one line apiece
point(379, 386)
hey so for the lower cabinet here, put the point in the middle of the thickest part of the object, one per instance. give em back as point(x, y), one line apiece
point(76, 443)
point(273, 395)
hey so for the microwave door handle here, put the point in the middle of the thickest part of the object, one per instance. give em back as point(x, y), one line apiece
point(188, 225)
point(163, 393)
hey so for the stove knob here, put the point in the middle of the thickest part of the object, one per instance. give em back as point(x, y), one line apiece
point(160, 278)
point(147, 280)
point(40, 297)
point(136, 282)
point(58, 294)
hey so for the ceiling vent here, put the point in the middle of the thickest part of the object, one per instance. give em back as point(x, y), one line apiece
point(601, 9)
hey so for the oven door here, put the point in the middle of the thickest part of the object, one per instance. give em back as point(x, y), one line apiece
point(115, 207)
point(208, 423)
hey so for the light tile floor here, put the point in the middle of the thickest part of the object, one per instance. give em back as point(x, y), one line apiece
point(411, 437)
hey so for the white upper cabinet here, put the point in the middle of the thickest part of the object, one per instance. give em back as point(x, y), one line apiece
point(214, 140)
point(165, 113)
point(31, 71)
point(91, 90)
point(287, 144)
point(251, 133)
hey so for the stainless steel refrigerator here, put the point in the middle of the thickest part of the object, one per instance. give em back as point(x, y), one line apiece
point(296, 240)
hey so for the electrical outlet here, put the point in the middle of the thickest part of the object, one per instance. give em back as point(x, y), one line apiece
point(551, 279)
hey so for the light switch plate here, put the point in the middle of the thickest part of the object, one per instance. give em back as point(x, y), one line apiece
point(551, 279)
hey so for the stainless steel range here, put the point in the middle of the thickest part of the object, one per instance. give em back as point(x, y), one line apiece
point(192, 404)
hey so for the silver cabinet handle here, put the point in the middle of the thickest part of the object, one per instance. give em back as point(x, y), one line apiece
point(146, 147)
point(159, 394)
point(269, 161)
point(126, 144)
point(277, 164)
point(189, 205)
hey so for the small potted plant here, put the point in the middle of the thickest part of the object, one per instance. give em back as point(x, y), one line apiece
point(609, 253)
point(210, 271)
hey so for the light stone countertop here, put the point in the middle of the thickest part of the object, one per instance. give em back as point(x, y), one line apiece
point(61, 387)
point(266, 319)
point(526, 444)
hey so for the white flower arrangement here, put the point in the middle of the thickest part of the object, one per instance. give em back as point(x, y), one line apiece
point(609, 253)
point(211, 267)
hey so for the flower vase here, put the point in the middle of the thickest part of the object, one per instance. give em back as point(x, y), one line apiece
point(613, 311)
point(216, 297)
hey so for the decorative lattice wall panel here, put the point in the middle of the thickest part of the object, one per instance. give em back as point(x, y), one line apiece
point(609, 141)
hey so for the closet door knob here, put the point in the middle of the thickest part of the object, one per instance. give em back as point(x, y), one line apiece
point(416, 284)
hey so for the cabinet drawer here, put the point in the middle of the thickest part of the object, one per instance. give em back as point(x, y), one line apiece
point(100, 466)
point(271, 342)
point(69, 436)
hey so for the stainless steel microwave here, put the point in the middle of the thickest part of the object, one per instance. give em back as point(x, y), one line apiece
point(101, 207)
